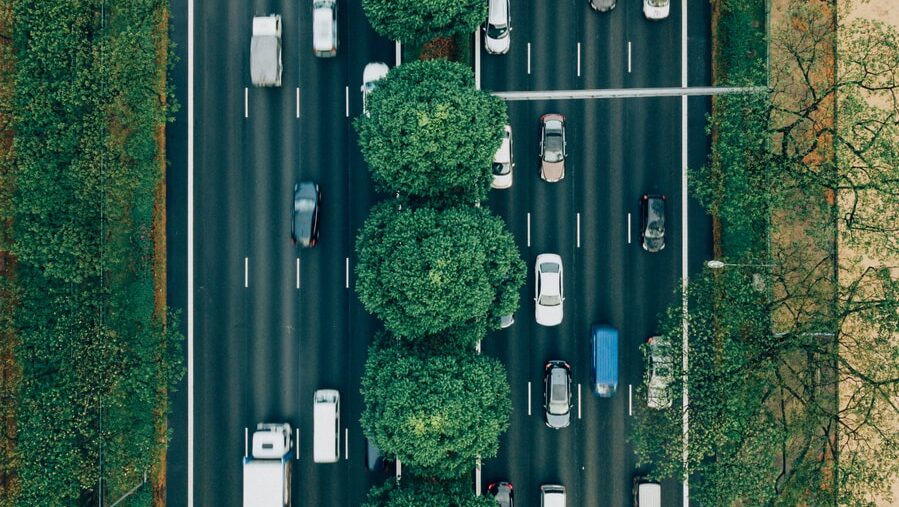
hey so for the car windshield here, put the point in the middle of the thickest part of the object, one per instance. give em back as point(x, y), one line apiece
point(549, 267)
point(304, 205)
point(552, 149)
point(500, 169)
point(497, 31)
point(546, 300)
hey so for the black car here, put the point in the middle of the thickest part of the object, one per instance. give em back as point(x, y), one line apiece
point(652, 219)
point(502, 493)
point(374, 460)
point(306, 207)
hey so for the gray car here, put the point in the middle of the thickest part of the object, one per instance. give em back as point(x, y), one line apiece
point(652, 220)
point(602, 5)
point(553, 147)
point(557, 394)
point(306, 208)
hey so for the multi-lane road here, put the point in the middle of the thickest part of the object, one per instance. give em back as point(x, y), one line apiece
point(272, 323)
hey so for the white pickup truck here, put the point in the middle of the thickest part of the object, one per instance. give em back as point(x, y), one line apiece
point(266, 471)
point(265, 51)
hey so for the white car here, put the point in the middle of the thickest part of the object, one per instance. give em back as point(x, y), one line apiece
point(372, 73)
point(502, 161)
point(656, 9)
point(324, 28)
point(549, 291)
point(497, 38)
point(660, 373)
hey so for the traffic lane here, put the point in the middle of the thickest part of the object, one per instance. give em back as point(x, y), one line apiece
point(698, 149)
point(509, 72)
point(553, 52)
point(699, 43)
point(603, 38)
point(655, 48)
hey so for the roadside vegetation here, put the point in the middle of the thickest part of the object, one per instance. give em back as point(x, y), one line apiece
point(414, 491)
point(792, 360)
point(416, 22)
point(95, 351)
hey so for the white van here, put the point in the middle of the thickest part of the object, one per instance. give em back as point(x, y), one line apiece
point(647, 494)
point(326, 426)
point(552, 495)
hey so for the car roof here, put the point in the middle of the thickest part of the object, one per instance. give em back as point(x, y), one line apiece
point(497, 14)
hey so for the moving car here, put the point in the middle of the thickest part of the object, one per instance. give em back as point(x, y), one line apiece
point(324, 28)
point(652, 220)
point(552, 495)
point(502, 493)
point(502, 161)
point(647, 493)
point(326, 426)
point(602, 5)
point(265, 51)
point(553, 147)
point(549, 295)
point(655, 10)
point(306, 203)
point(604, 344)
point(660, 373)
point(557, 394)
point(372, 73)
point(497, 38)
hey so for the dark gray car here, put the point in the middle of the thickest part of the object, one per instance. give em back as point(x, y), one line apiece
point(602, 5)
point(652, 219)
point(557, 394)
point(306, 208)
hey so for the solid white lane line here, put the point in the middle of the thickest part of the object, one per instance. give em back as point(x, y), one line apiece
point(346, 444)
point(529, 58)
point(628, 93)
point(246, 102)
point(630, 399)
point(399, 57)
point(246, 439)
point(298, 272)
point(529, 397)
point(298, 102)
point(190, 253)
point(246, 271)
point(346, 97)
point(529, 229)
point(628, 228)
point(684, 243)
point(628, 57)
point(477, 59)
point(346, 270)
point(578, 401)
point(578, 230)
point(578, 59)
point(297, 443)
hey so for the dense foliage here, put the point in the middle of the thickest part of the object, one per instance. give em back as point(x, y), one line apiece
point(434, 411)
point(412, 492)
point(431, 133)
point(425, 271)
point(94, 354)
point(418, 21)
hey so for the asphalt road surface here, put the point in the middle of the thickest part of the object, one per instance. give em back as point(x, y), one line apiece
point(262, 345)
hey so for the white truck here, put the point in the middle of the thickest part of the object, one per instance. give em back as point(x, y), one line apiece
point(266, 471)
point(265, 51)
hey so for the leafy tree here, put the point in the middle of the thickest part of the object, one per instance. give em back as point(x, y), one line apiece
point(413, 492)
point(434, 412)
point(430, 133)
point(426, 272)
point(416, 22)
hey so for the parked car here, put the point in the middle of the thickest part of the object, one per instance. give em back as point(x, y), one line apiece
point(502, 161)
point(324, 28)
point(553, 147)
point(552, 495)
point(374, 460)
point(652, 220)
point(655, 10)
point(371, 74)
point(506, 321)
point(497, 33)
point(557, 394)
point(306, 208)
point(550, 293)
point(660, 373)
point(602, 5)
point(502, 493)
point(646, 493)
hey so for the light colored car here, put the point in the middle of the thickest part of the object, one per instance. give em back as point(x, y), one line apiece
point(602, 5)
point(658, 395)
point(497, 33)
point(552, 495)
point(550, 293)
point(265, 51)
point(502, 161)
point(372, 73)
point(553, 147)
point(656, 9)
point(557, 394)
point(324, 28)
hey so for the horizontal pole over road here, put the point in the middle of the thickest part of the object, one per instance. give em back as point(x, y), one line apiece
point(625, 93)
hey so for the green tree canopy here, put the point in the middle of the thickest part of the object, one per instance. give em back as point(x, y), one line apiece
point(430, 133)
point(426, 272)
point(418, 21)
point(434, 412)
point(412, 492)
